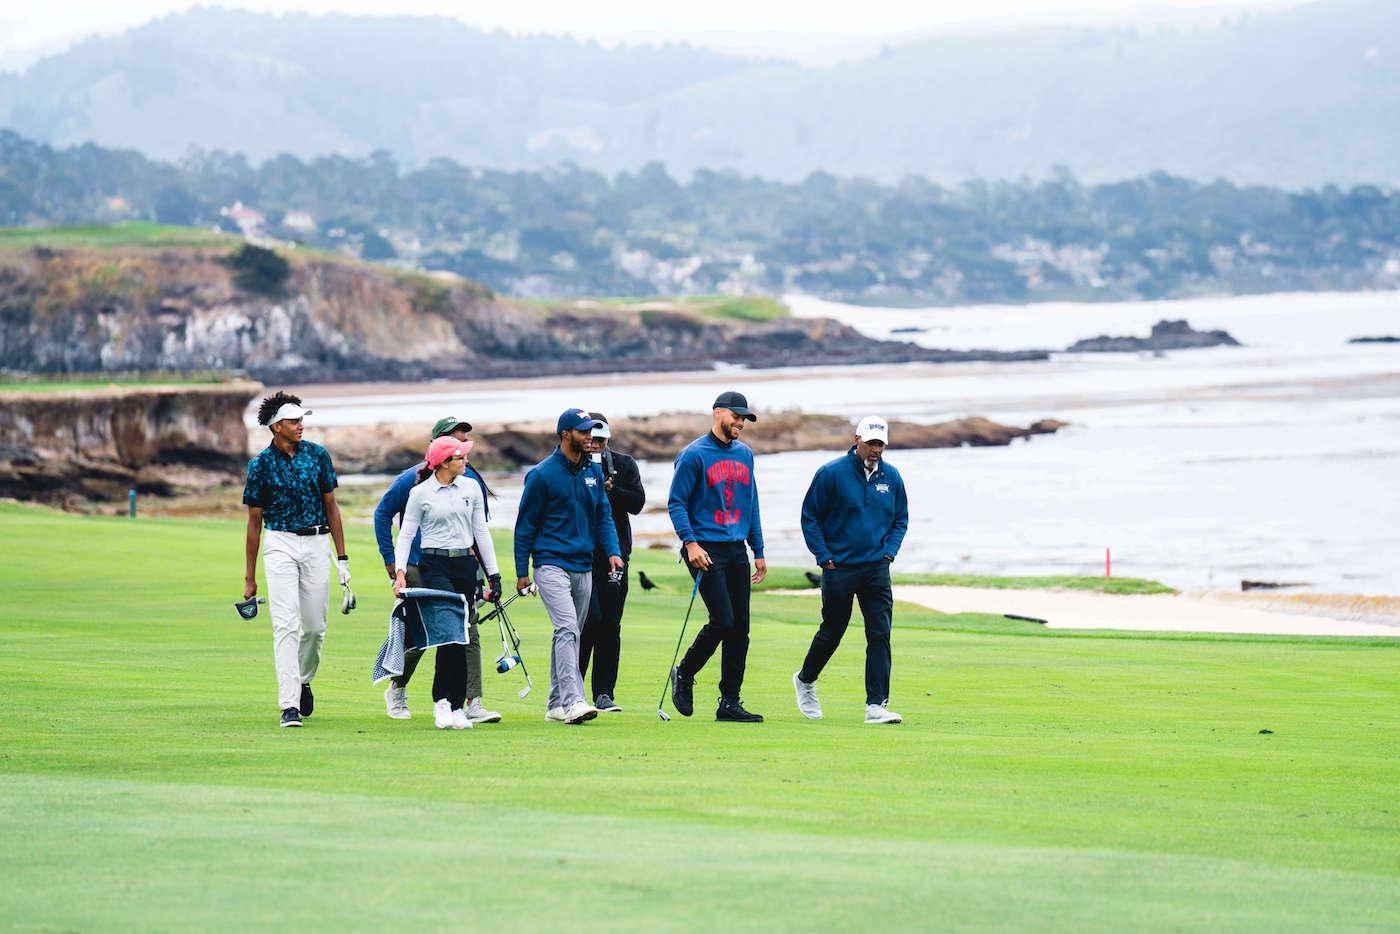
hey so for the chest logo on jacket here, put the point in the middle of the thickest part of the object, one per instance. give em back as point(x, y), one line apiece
point(882, 488)
point(590, 481)
point(725, 474)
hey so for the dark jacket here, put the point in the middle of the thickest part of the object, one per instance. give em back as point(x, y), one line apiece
point(851, 520)
point(627, 496)
point(564, 515)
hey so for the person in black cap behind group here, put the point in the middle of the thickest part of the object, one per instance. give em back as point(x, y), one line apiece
point(602, 630)
point(714, 510)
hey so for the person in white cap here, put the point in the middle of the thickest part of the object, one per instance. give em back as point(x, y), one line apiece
point(854, 518)
point(291, 490)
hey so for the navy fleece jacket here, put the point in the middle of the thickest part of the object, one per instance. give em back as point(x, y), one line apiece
point(564, 514)
point(851, 520)
point(714, 497)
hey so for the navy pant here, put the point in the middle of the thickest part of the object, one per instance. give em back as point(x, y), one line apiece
point(870, 584)
point(602, 630)
point(450, 675)
point(725, 590)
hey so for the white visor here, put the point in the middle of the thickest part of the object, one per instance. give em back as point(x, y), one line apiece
point(602, 431)
point(873, 428)
point(288, 410)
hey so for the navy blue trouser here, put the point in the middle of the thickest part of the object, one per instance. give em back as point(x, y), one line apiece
point(601, 636)
point(725, 590)
point(870, 584)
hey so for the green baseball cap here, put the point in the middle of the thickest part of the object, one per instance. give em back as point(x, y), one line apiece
point(449, 424)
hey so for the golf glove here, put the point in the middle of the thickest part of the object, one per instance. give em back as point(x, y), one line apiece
point(493, 581)
point(342, 570)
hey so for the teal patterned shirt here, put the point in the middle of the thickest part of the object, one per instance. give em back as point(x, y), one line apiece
point(290, 490)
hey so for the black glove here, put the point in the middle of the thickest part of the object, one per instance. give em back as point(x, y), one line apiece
point(494, 581)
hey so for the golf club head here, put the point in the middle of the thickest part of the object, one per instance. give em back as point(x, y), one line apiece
point(347, 599)
point(248, 609)
point(665, 717)
point(524, 692)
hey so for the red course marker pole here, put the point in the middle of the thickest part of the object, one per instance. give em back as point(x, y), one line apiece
point(1107, 563)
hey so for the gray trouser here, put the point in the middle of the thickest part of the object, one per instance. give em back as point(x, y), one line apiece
point(565, 595)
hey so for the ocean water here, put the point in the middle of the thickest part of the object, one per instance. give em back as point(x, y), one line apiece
point(1276, 461)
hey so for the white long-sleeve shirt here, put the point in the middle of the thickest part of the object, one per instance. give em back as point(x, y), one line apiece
point(450, 515)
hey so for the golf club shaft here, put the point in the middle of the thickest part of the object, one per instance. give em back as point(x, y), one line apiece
point(695, 589)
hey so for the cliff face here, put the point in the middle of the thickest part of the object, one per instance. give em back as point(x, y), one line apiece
point(100, 443)
point(182, 309)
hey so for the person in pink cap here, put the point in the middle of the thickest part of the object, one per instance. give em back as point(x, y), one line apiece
point(450, 512)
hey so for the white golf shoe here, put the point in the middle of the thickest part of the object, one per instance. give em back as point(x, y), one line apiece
point(580, 712)
point(442, 715)
point(876, 713)
point(479, 714)
point(396, 702)
point(459, 720)
point(555, 714)
point(807, 703)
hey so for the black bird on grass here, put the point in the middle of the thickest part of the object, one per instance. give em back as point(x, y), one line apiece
point(814, 579)
point(646, 582)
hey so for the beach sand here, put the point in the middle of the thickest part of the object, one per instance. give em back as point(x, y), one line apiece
point(1199, 612)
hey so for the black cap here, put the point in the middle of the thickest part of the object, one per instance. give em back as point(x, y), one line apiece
point(736, 403)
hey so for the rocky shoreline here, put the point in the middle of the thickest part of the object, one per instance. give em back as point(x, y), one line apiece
point(1166, 335)
point(387, 449)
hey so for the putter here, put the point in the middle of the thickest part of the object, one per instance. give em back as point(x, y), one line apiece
point(248, 609)
point(661, 704)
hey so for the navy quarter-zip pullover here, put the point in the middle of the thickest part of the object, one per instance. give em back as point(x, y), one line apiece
point(564, 514)
point(851, 520)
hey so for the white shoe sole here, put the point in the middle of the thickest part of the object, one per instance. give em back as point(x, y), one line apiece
point(894, 719)
point(399, 715)
point(493, 718)
point(582, 718)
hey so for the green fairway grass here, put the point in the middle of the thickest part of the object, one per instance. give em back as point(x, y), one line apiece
point(1040, 780)
point(130, 233)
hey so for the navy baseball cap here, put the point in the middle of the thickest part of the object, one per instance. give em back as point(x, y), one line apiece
point(736, 403)
point(576, 418)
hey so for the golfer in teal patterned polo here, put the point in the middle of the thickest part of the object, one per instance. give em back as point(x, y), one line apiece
point(291, 491)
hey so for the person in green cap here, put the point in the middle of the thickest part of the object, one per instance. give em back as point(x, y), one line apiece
point(391, 507)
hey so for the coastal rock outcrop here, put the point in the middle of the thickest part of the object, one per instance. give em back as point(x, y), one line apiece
point(1166, 335)
point(184, 309)
point(99, 443)
point(385, 449)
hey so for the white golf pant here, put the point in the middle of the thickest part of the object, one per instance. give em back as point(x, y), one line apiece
point(565, 595)
point(298, 571)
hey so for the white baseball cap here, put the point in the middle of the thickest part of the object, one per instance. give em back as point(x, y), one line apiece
point(602, 431)
point(288, 410)
point(873, 428)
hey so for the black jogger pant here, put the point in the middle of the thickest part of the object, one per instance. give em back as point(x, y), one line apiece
point(602, 630)
point(459, 575)
point(725, 590)
point(870, 584)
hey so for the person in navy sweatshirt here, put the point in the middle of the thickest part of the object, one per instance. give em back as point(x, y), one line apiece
point(564, 516)
point(714, 510)
point(854, 518)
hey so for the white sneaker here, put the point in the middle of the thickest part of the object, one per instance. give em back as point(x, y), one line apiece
point(555, 714)
point(459, 720)
point(876, 713)
point(442, 715)
point(807, 703)
point(479, 714)
point(396, 702)
point(580, 712)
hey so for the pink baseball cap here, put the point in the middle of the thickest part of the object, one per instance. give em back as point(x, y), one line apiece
point(443, 448)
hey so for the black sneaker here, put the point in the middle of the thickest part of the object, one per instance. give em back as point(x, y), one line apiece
point(604, 702)
point(681, 693)
point(308, 701)
point(734, 712)
point(291, 717)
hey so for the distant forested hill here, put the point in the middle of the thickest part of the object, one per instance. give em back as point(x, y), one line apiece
point(569, 232)
point(1299, 97)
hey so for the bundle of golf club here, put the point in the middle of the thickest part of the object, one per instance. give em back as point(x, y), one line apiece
point(510, 643)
